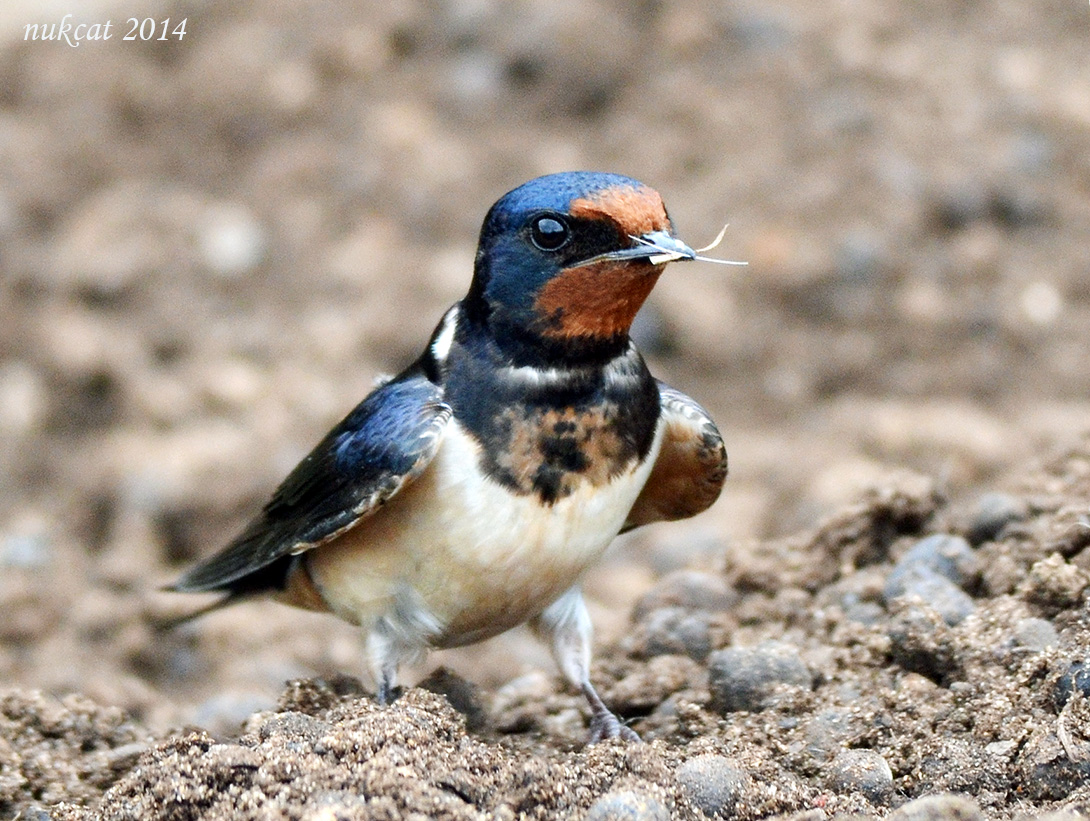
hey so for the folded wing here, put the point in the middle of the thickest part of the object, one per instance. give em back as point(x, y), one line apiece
point(381, 446)
point(691, 466)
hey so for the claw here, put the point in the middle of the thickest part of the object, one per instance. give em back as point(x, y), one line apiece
point(388, 691)
point(606, 725)
point(603, 723)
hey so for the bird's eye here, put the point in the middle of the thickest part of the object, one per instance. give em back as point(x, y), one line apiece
point(550, 233)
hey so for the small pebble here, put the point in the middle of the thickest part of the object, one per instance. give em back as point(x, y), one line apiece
point(712, 783)
point(992, 513)
point(1075, 677)
point(948, 556)
point(1054, 583)
point(938, 808)
point(825, 734)
point(746, 678)
point(231, 240)
point(650, 684)
point(462, 695)
point(941, 594)
point(34, 812)
point(1001, 749)
point(677, 631)
point(226, 712)
point(294, 725)
point(862, 771)
point(229, 755)
point(691, 589)
point(920, 640)
point(26, 551)
point(1045, 769)
point(936, 569)
point(627, 805)
point(865, 612)
point(1065, 814)
point(1035, 634)
point(335, 804)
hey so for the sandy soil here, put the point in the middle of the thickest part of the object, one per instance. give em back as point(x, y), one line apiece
point(209, 249)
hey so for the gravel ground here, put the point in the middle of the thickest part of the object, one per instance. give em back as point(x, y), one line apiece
point(210, 247)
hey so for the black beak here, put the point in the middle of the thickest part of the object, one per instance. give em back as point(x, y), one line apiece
point(657, 247)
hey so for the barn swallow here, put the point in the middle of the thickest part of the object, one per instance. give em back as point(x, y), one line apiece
point(471, 492)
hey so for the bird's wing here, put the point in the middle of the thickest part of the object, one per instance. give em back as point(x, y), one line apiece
point(381, 446)
point(690, 468)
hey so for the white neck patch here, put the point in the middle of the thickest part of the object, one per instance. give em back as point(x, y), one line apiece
point(619, 371)
point(440, 348)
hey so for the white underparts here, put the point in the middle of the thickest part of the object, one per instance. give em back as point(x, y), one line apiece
point(456, 557)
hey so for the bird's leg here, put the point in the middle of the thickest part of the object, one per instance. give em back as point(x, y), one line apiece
point(388, 691)
point(603, 722)
point(402, 634)
point(567, 623)
point(383, 667)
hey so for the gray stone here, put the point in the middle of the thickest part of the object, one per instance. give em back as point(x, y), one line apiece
point(1035, 634)
point(746, 678)
point(1046, 770)
point(1075, 677)
point(992, 513)
point(938, 808)
point(941, 594)
point(226, 712)
point(712, 783)
point(865, 612)
point(862, 771)
point(945, 555)
point(921, 641)
point(825, 733)
point(936, 569)
point(691, 589)
point(34, 812)
point(627, 805)
point(677, 631)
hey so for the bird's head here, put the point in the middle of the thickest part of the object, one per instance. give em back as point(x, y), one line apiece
point(565, 261)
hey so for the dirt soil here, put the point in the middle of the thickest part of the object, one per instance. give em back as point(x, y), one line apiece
point(210, 247)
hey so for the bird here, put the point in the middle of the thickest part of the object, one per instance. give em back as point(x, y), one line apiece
point(471, 492)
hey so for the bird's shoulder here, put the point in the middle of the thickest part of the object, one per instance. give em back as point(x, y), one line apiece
point(691, 465)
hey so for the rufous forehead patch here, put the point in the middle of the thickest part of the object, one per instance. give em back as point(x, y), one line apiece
point(637, 210)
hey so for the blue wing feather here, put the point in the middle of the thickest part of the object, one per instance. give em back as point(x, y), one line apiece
point(383, 444)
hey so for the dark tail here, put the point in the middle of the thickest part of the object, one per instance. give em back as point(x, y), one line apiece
point(251, 586)
point(167, 623)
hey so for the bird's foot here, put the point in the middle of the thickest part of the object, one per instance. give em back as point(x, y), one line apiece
point(606, 725)
point(603, 723)
point(387, 693)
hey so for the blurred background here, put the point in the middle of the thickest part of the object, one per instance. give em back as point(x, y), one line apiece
point(209, 248)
